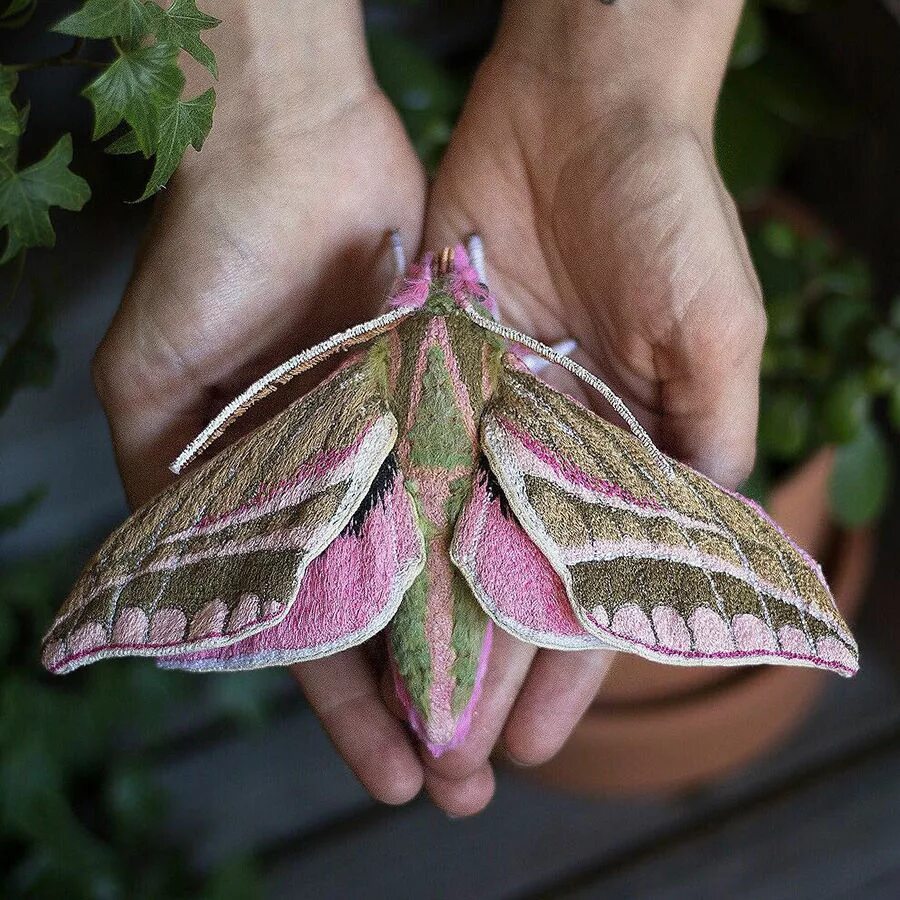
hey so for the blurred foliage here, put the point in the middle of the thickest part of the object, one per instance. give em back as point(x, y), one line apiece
point(774, 96)
point(81, 815)
point(80, 811)
point(136, 93)
point(830, 368)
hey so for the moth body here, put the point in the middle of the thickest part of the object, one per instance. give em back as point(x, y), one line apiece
point(442, 373)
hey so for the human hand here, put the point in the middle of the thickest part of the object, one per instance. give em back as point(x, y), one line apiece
point(267, 242)
point(584, 159)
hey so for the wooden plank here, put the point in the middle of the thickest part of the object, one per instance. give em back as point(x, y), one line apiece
point(531, 836)
point(834, 835)
point(257, 787)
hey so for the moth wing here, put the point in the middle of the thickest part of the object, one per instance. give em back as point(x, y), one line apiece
point(348, 593)
point(675, 569)
point(220, 554)
point(510, 577)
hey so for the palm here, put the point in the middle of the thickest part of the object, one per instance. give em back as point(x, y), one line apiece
point(270, 240)
point(623, 238)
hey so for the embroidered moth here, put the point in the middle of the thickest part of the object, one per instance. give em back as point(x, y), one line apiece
point(431, 488)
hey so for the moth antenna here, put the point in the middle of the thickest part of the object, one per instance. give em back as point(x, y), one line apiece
point(399, 254)
point(548, 353)
point(537, 364)
point(475, 249)
point(283, 373)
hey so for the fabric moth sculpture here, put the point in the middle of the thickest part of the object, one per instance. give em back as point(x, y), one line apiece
point(433, 487)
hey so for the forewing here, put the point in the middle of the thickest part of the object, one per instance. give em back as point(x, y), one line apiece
point(348, 593)
point(220, 554)
point(675, 568)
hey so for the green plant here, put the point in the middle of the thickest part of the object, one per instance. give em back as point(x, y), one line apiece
point(774, 96)
point(135, 93)
point(831, 366)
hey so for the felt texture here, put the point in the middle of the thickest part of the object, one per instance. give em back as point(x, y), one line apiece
point(221, 553)
point(430, 488)
point(673, 568)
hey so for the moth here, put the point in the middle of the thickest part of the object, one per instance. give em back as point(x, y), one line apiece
point(432, 488)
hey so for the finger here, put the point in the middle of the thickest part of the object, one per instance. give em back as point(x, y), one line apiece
point(507, 667)
point(344, 694)
point(559, 688)
point(463, 797)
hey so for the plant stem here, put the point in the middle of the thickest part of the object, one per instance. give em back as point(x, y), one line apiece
point(69, 58)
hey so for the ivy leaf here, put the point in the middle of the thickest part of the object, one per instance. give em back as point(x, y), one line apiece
point(26, 196)
point(128, 19)
point(30, 359)
point(750, 39)
point(861, 478)
point(10, 119)
point(185, 122)
point(17, 13)
point(138, 87)
point(181, 24)
point(126, 143)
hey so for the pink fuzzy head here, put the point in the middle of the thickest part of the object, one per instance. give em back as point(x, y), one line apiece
point(449, 272)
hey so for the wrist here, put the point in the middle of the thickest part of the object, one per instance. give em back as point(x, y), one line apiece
point(664, 57)
point(289, 53)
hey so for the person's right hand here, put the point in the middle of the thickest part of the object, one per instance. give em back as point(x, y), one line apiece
point(266, 242)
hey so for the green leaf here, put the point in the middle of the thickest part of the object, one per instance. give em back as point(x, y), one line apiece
point(17, 13)
point(126, 143)
point(30, 360)
point(846, 409)
point(235, 880)
point(861, 478)
point(26, 196)
point(750, 39)
point(841, 321)
point(894, 406)
point(784, 425)
point(10, 118)
point(780, 238)
point(183, 123)
point(789, 85)
point(181, 24)
point(14, 513)
point(849, 277)
point(138, 87)
point(128, 19)
point(752, 144)
point(426, 96)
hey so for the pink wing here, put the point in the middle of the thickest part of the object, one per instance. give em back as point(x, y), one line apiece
point(663, 564)
point(224, 553)
point(347, 595)
point(510, 577)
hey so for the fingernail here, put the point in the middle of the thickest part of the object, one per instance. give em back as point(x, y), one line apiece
point(518, 762)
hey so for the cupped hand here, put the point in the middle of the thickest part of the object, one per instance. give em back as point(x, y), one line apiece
point(268, 241)
point(604, 219)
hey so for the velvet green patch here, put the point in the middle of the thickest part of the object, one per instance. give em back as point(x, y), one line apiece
point(410, 643)
point(469, 624)
point(438, 436)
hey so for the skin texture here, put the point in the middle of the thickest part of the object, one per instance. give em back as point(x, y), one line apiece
point(583, 158)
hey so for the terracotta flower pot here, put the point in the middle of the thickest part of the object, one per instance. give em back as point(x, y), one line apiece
point(657, 728)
